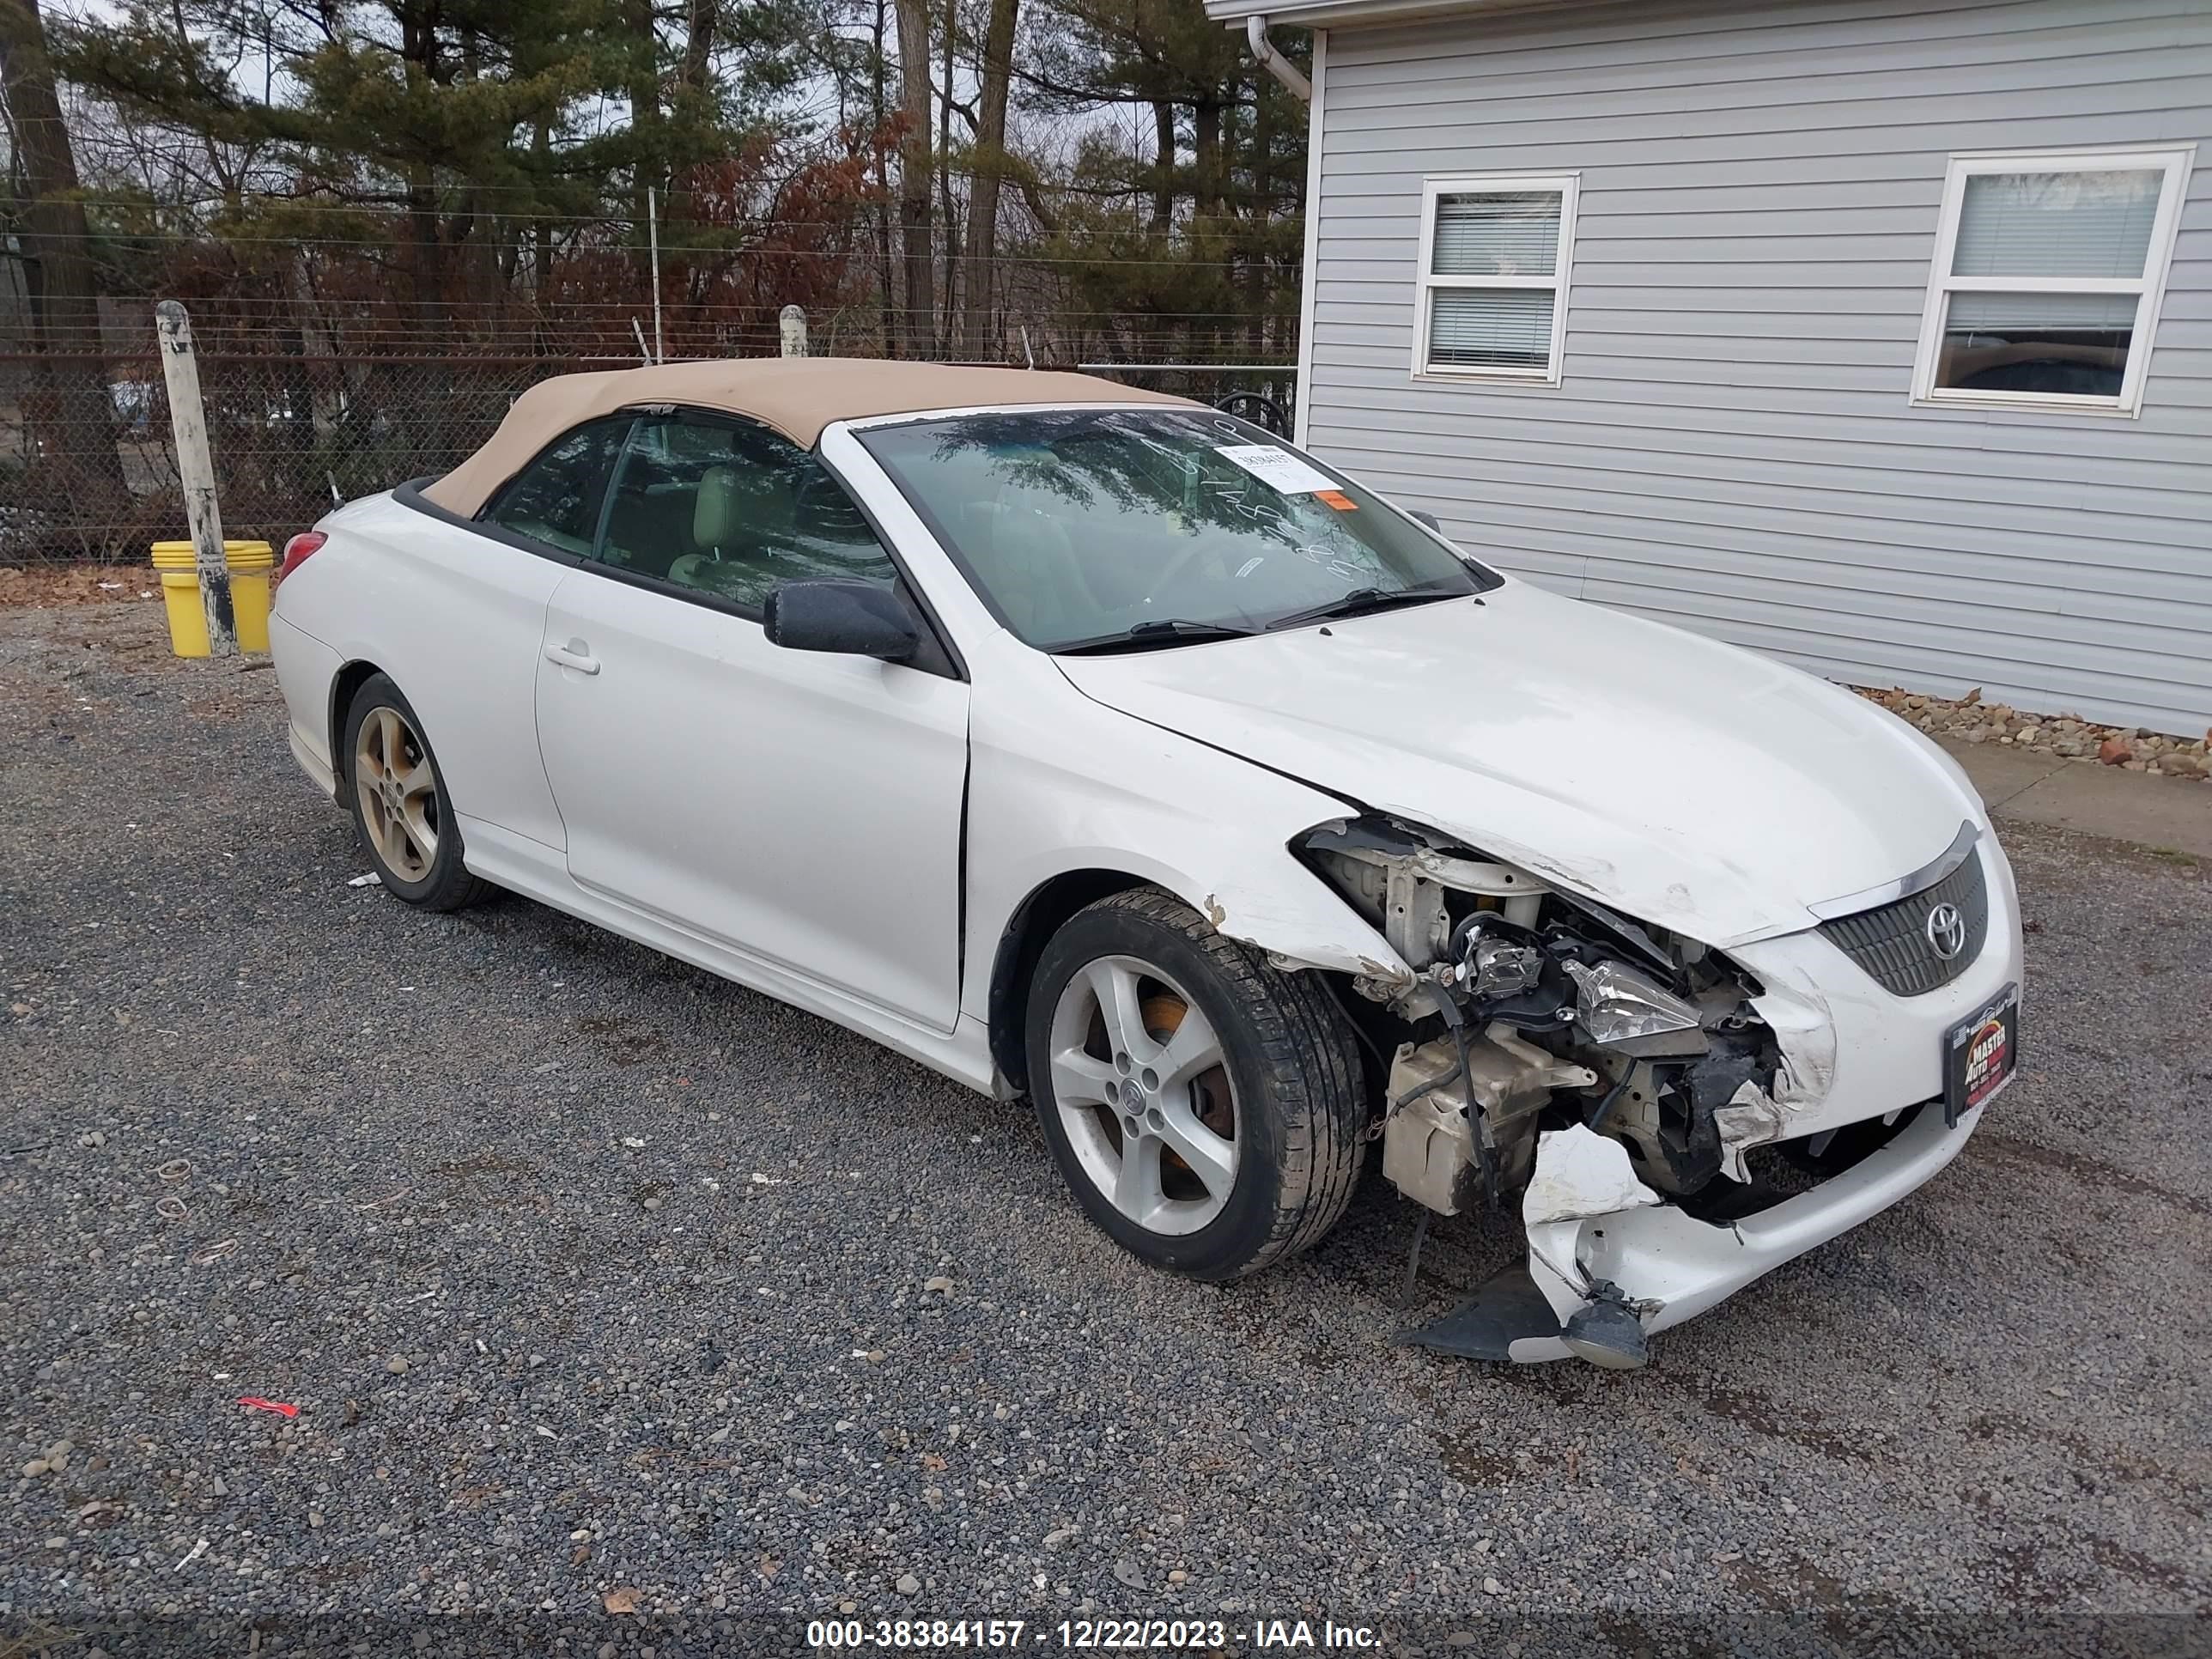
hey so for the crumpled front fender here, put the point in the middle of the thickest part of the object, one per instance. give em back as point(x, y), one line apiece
point(1090, 789)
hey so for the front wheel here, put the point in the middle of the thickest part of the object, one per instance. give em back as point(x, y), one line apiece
point(1203, 1106)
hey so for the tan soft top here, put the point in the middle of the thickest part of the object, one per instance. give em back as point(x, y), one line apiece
point(797, 396)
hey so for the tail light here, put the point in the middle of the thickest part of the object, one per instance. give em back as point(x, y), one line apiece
point(296, 554)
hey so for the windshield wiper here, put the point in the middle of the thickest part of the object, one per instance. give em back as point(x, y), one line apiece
point(1365, 601)
point(1159, 630)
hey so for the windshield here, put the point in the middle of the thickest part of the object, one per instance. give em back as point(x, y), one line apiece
point(1079, 527)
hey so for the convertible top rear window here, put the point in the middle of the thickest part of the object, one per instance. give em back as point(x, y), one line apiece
point(1155, 525)
point(556, 499)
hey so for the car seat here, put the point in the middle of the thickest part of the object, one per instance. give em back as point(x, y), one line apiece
point(717, 533)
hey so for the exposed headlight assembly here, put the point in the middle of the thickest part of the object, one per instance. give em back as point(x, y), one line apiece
point(1510, 947)
point(1499, 968)
point(1615, 1003)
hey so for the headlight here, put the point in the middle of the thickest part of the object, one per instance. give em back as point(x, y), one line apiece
point(1615, 1003)
point(1512, 946)
point(1495, 967)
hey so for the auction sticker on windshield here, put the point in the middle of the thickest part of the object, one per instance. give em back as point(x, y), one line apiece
point(1278, 467)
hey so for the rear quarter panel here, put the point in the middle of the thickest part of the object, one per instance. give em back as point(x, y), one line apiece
point(458, 621)
point(306, 671)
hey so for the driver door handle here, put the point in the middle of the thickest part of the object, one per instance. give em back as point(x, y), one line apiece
point(575, 654)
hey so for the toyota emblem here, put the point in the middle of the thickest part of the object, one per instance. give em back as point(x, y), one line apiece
point(1946, 931)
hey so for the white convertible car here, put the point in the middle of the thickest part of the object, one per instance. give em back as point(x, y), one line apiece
point(1083, 742)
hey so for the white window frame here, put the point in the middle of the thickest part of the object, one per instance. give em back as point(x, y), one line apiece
point(2175, 161)
point(1569, 185)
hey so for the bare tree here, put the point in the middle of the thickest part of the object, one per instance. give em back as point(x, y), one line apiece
point(886, 280)
point(916, 209)
point(983, 254)
point(1163, 165)
point(705, 20)
point(76, 422)
point(643, 86)
point(949, 222)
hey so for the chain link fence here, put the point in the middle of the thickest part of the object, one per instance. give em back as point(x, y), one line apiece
point(301, 415)
point(86, 480)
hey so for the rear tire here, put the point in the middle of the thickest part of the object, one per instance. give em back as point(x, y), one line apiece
point(1209, 1120)
point(397, 799)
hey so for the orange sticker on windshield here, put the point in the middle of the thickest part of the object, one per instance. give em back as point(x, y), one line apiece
point(1337, 499)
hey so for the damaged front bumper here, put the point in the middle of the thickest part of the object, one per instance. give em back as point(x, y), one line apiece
point(1658, 1261)
point(1612, 1261)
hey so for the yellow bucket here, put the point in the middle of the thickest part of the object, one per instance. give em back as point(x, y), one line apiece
point(249, 564)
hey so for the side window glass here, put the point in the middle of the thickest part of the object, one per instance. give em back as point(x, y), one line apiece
point(734, 510)
point(556, 499)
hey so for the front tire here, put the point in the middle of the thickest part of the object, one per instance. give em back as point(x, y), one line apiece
point(1205, 1107)
point(400, 809)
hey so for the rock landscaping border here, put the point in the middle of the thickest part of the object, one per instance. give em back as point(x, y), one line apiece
point(2131, 748)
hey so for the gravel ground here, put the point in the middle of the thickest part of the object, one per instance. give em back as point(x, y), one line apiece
point(600, 1283)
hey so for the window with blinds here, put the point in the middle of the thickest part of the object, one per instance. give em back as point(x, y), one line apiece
point(2047, 278)
point(1490, 301)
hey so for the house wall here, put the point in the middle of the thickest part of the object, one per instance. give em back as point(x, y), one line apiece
point(1732, 446)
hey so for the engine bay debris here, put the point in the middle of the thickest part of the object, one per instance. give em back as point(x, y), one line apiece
point(1593, 1064)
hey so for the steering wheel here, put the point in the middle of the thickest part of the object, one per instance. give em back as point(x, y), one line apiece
point(1166, 581)
point(1258, 408)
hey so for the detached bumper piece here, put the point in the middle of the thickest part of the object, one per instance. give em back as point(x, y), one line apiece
point(1605, 1330)
point(1508, 1308)
point(1610, 1264)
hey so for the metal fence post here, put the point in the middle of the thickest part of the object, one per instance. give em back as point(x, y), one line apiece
point(196, 471)
point(793, 321)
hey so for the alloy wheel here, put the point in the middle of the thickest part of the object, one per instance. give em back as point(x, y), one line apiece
point(397, 789)
point(1143, 1092)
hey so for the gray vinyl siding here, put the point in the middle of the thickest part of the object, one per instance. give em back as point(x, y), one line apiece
point(1732, 446)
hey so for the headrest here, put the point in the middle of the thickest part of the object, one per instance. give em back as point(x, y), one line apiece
point(715, 510)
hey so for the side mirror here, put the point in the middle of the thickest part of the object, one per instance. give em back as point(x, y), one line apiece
point(1428, 518)
point(851, 618)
